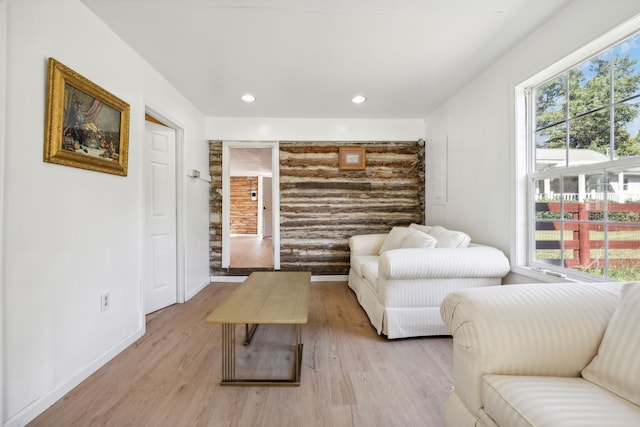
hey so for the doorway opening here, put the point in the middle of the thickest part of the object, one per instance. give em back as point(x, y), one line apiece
point(250, 215)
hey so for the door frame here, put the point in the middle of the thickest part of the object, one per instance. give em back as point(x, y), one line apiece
point(180, 203)
point(226, 197)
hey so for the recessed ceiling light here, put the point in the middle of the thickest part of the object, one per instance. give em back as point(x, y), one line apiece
point(358, 99)
point(248, 98)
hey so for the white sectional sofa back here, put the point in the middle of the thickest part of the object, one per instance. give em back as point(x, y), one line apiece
point(400, 278)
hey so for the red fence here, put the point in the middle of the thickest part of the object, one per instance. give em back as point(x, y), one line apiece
point(580, 242)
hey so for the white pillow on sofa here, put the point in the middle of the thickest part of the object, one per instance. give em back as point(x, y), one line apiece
point(406, 237)
point(394, 239)
point(449, 238)
point(616, 367)
point(418, 239)
point(424, 228)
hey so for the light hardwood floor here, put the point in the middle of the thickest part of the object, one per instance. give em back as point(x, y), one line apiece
point(251, 252)
point(350, 375)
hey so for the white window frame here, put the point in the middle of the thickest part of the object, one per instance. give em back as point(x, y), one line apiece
point(523, 244)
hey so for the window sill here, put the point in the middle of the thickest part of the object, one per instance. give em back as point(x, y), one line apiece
point(548, 276)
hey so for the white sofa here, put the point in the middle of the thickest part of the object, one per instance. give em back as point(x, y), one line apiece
point(401, 277)
point(550, 355)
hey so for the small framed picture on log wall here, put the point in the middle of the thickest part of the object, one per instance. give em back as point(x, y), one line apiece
point(352, 158)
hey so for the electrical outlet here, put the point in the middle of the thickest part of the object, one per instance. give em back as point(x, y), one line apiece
point(105, 301)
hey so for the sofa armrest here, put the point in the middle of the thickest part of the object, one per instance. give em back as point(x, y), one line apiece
point(469, 262)
point(366, 244)
point(532, 329)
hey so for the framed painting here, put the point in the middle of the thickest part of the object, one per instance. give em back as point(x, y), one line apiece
point(86, 126)
point(351, 158)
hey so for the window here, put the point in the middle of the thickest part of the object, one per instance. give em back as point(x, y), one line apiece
point(583, 182)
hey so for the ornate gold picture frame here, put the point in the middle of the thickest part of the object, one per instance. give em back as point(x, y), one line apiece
point(86, 126)
point(351, 158)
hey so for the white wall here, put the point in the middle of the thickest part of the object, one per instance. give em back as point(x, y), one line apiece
point(3, 157)
point(69, 234)
point(270, 129)
point(478, 123)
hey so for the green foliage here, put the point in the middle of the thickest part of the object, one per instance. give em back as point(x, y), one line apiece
point(546, 215)
point(615, 216)
point(587, 107)
point(622, 274)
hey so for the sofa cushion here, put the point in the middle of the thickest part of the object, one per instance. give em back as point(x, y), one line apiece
point(418, 240)
point(394, 239)
point(358, 261)
point(512, 400)
point(450, 238)
point(616, 367)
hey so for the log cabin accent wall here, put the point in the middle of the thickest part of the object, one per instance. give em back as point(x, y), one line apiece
point(243, 210)
point(322, 206)
point(215, 208)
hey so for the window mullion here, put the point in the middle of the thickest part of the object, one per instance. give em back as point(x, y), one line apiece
point(612, 112)
point(531, 166)
point(605, 225)
point(566, 118)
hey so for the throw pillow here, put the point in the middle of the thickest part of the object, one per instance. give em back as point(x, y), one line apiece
point(616, 367)
point(394, 239)
point(418, 239)
point(424, 228)
point(449, 238)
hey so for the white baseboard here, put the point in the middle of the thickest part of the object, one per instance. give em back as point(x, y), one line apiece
point(234, 279)
point(40, 405)
point(334, 278)
point(218, 279)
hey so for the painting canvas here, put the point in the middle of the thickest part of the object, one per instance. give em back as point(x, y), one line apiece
point(87, 127)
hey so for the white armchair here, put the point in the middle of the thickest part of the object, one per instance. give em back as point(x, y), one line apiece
point(525, 355)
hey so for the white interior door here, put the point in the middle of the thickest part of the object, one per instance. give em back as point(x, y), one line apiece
point(160, 272)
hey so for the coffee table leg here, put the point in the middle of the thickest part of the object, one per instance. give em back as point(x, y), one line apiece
point(298, 354)
point(228, 352)
point(228, 361)
point(248, 332)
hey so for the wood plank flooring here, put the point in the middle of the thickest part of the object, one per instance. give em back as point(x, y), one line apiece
point(350, 375)
point(251, 252)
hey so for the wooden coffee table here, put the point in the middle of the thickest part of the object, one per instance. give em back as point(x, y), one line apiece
point(270, 297)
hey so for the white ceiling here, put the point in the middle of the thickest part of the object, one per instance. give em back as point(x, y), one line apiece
point(250, 161)
point(308, 58)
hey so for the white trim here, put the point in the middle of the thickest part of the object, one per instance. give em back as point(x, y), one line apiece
point(227, 279)
point(226, 194)
point(330, 278)
point(275, 204)
point(523, 243)
point(226, 209)
point(238, 279)
point(260, 190)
